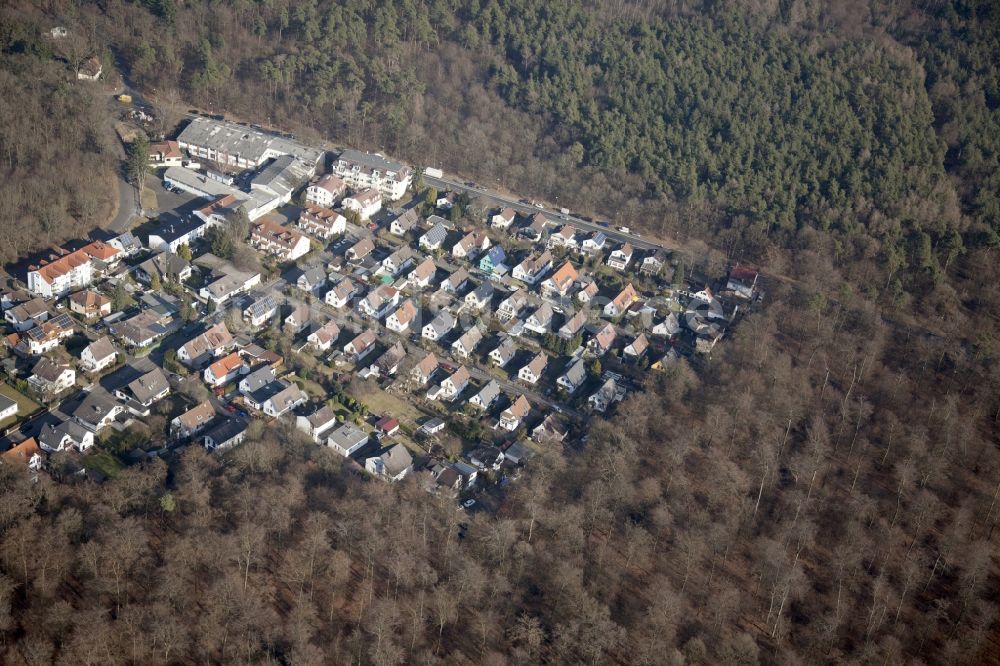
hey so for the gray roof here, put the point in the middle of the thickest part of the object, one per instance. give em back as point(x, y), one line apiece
point(348, 436)
point(484, 291)
point(314, 275)
point(436, 234)
point(226, 431)
point(98, 404)
point(283, 175)
point(443, 323)
point(149, 385)
point(372, 162)
point(48, 370)
point(262, 305)
point(258, 379)
point(489, 393)
point(6, 403)
point(164, 264)
point(576, 372)
point(396, 460)
point(235, 139)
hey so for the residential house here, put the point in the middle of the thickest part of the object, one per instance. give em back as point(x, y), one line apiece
point(471, 243)
point(227, 283)
point(347, 439)
point(298, 318)
point(224, 370)
point(263, 308)
point(667, 328)
point(432, 426)
point(421, 276)
point(486, 457)
point(502, 219)
point(446, 200)
point(165, 154)
point(321, 223)
point(516, 454)
point(312, 280)
point(551, 429)
point(192, 421)
point(366, 203)
point(27, 315)
point(453, 385)
point(467, 342)
point(284, 243)
point(575, 375)
point(213, 343)
point(97, 410)
point(455, 282)
point(620, 258)
point(325, 190)
point(486, 396)
point(26, 453)
point(361, 170)
point(49, 378)
point(387, 426)
point(388, 363)
point(511, 417)
point(90, 304)
point(532, 372)
point(652, 264)
point(480, 298)
point(166, 266)
point(284, 401)
point(257, 380)
point(434, 238)
point(361, 346)
point(439, 326)
point(360, 250)
point(622, 302)
point(404, 222)
point(560, 282)
point(565, 236)
point(379, 301)
point(342, 293)
point(533, 268)
point(587, 292)
point(536, 228)
point(170, 236)
point(127, 244)
point(402, 317)
point(148, 389)
point(399, 260)
point(540, 321)
point(391, 465)
point(742, 281)
point(317, 424)
point(98, 355)
point(424, 370)
point(595, 244)
point(511, 306)
point(492, 260)
point(225, 435)
point(637, 348)
point(573, 325)
point(504, 352)
point(141, 330)
point(602, 340)
point(64, 436)
point(604, 397)
point(323, 337)
point(44, 337)
point(61, 274)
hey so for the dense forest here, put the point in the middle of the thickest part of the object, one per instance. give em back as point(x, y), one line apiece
point(825, 488)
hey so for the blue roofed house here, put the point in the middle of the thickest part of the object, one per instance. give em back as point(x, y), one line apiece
point(493, 258)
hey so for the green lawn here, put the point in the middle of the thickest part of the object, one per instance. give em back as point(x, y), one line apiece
point(25, 405)
point(104, 462)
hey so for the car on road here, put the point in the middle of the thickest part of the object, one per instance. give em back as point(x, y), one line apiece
point(602, 223)
point(539, 205)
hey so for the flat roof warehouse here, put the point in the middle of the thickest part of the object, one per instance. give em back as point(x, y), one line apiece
point(244, 142)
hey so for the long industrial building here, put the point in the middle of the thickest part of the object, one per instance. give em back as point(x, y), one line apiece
point(238, 146)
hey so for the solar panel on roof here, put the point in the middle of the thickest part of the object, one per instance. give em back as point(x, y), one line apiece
point(63, 321)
